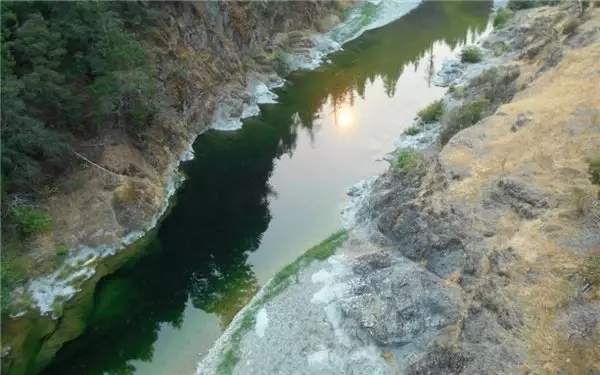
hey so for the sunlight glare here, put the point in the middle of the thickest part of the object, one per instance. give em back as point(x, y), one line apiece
point(345, 117)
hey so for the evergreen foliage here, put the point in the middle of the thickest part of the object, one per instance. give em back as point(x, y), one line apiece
point(69, 70)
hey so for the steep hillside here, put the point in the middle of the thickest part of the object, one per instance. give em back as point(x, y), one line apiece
point(506, 214)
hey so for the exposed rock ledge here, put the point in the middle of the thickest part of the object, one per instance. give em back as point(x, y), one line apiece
point(475, 267)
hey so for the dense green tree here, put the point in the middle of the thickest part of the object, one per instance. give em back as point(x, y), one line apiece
point(68, 68)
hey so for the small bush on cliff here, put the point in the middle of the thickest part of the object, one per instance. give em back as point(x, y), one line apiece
point(408, 159)
point(29, 219)
point(464, 117)
point(62, 250)
point(14, 270)
point(497, 85)
point(433, 112)
point(570, 26)
point(413, 130)
point(590, 269)
point(521, 4)
point(594, 172)
point(502, 18)
point(458, 91)
point(581, 201)
point(550, 2)
point(471, 55)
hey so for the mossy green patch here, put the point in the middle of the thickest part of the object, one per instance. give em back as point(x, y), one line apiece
point(321, 251)
point(465, 116)
point(502, 18)
point(433, 112)
point(471, 54)
point(413, 130)
point(408, 159)
point(230, 359)
point(368, 12)
point(277, 285)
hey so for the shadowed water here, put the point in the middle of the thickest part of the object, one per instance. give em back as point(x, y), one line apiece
point(255, 199)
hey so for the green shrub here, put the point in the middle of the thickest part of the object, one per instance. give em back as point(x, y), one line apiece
point(62, 250)
point(433, 112)
point(29, 219)
point(458, 91)
point(408, 159)
point(502, 17)
point(582, 202)
point(590, 269)
point(550, 2)
point(521, 4)
point(527, 4)
point(14, 270)
point(67, 74)
point(570, 26)
point(497, 86)
point(413, 130)
point(594, 172)
point(471, 54)
point(464, 117)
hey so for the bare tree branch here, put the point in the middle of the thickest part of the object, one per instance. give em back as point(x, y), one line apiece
point(97, 166)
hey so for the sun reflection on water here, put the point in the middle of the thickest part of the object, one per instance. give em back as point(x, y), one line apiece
point(345, 117)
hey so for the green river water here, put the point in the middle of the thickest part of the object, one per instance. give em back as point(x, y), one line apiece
point(256, 198)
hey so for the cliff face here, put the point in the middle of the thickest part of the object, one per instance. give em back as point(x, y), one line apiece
point(206, 54)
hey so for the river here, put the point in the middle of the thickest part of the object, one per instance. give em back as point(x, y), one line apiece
point(256, 198)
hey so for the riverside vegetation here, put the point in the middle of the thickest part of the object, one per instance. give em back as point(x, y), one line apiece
point(63, 69)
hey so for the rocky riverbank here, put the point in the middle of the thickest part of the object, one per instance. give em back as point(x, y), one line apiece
point(466, 258)
point(216, 62)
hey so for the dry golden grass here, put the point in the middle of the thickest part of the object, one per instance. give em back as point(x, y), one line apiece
point(546, 298)
point(388, 356)
point(550, 154)
point(453, 279)
point(556, 136)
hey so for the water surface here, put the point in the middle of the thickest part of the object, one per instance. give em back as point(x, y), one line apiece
point(255, 199)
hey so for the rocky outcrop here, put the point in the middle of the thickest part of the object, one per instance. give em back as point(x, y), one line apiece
point(396, 302)
point(439, 237)
point(482, 230)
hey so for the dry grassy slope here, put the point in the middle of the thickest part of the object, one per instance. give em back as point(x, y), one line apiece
point(549, 153)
